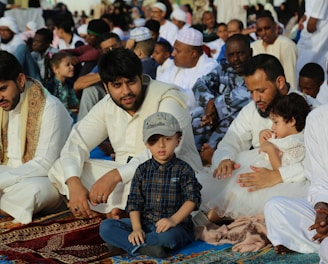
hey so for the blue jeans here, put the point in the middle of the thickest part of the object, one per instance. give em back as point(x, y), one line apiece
point(115, 233)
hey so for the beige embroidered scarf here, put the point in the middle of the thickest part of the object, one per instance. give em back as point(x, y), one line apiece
point(31, 115)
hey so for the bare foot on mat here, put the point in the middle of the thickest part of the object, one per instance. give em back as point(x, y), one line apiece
point(282, 250)
point(213, 216)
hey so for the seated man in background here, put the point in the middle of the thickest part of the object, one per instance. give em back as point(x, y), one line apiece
point(93, 89)
point(220, 95)
point(142, 43)
point(190, 63)
point(35, 126)
point(11, 42)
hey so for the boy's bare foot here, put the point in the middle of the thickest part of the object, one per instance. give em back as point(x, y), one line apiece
point(282, 250)
point(206, 154)
point(213, 216)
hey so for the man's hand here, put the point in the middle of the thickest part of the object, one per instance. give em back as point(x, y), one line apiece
point(164, 224)
point(300, 22)
point(78, 198)
point(321, 222)
point(225, 169)
point(312, 25)
point(260, 178)
point(211, 117)
point(137, 237)
point(104, 186)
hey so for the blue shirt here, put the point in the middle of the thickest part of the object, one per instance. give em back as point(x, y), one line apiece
point(230, 95)
point(159, 190)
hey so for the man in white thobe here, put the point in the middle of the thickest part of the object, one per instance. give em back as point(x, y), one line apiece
point(302, 224)
point(227, 10)
point(190, 63)
point(35, 126)
point(312, 46)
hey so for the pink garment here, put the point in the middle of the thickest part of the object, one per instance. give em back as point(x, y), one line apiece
point(247, 234)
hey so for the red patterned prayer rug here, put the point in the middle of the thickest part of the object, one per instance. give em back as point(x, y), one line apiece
point(66, 241)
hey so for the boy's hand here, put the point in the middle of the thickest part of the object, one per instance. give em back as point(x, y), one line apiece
point(137, 237)
point(164, 224)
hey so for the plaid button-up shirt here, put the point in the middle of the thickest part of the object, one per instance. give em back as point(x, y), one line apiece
point(159, 190)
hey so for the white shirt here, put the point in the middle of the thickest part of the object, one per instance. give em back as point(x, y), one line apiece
point(316, 144)
point(215, 45)
point(227, 10)
point(285, 50)
point(12, 45)
point(185, 78)
point(62, 44)
point(169, 31)
point(55, 128)
point(244, 133)
point(168, 64)
point(125, 134)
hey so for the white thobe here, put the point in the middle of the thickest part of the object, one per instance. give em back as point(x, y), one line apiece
point(63, 45)
point(185, 78)
point(312, 47)
point(25, 188)
point(168, 64)
point(288, 219)
point(227, 10)
point(285, 50)
point(12, 45)
point(215, 45)
point(124, 131)
point(169, 31)
point(243, 133)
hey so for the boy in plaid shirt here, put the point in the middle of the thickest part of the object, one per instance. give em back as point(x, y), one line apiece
point(164, 191)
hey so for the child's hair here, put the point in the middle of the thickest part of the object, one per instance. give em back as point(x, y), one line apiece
point(147, 46)
point(167, 47)
point(53, 59)
point(313, 71)
point(154, 138)
point(46, 33)
point(222, 24)
point(292, 106)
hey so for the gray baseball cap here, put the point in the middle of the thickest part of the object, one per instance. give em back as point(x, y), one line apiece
point(160, 123)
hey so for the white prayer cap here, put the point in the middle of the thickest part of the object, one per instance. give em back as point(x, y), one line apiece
point(31, 25)
point(139, 22)
point(9, 22)
point(179, 15)
point(190, 36)
point(140, 34)
point(160, 6)
point(83, 29)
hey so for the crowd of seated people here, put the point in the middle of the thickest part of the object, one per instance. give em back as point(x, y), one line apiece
point(228, 71)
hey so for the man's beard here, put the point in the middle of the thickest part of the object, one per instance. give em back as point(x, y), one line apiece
point(266, 113)
point(6, 41)
point(137, 104)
